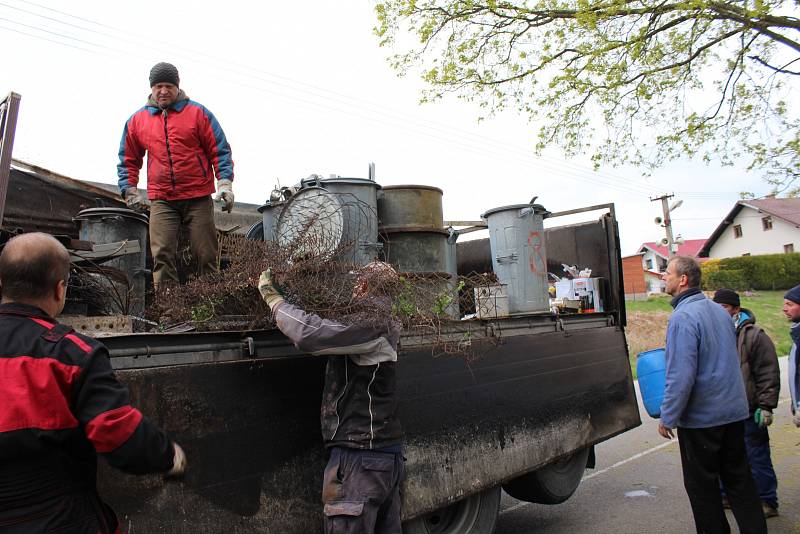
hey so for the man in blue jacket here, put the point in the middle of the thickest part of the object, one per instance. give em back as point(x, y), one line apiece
point(705, 399)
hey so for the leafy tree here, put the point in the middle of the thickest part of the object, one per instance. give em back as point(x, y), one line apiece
point(626, 81)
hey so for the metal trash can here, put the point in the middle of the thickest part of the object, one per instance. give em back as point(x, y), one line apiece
point(519, 259)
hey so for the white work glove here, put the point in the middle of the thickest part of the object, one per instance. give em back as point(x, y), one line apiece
point(178, 462)
point(225, 194)
point(135, 200)
point(268, 291)
point(763, 417)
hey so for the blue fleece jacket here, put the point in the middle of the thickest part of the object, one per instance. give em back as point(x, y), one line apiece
point(704, 386)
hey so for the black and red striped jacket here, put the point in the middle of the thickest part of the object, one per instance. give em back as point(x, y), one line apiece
point(60, 405)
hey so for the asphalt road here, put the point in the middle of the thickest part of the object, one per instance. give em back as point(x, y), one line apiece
point(637, 486)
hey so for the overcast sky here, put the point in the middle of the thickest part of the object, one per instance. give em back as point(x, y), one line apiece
point(303, 88)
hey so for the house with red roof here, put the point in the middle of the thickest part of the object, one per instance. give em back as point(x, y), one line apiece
point(656, 256)
point(642, 271)
point(763, 226)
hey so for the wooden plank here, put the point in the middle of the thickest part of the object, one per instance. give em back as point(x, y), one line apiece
point(104, 251)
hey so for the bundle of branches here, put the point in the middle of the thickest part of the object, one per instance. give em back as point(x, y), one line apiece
point(104, 290)
point(225, 298)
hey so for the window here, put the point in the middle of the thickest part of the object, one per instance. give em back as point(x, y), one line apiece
point(788, 248)
point(650, 264)
point(766, 223)
point(737, 231)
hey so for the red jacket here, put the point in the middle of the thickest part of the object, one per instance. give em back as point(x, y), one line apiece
point(185, 147)
point(60, 405)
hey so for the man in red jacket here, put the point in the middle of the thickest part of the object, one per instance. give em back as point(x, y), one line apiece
point(186, 149)
point(60, 405)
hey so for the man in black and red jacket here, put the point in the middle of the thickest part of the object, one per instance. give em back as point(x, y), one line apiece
point(60, 405)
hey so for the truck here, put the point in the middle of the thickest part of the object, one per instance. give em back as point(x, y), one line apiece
point(523, 417)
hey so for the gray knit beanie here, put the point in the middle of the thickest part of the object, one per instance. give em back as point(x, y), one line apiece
point(164, 73)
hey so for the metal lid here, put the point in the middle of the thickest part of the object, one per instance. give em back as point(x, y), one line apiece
point(537, 209)
point(96, 213)
point(270, 205)
point(313, 215)
point(308, 182)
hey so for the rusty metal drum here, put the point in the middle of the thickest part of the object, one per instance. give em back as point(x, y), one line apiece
point(403, 207)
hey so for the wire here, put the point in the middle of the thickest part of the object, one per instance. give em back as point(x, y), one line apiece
point(353, 106)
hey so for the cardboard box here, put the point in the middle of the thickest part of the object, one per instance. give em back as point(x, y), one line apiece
point(589, 290)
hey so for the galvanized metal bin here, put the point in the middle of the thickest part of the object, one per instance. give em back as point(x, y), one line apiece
point(112, 225)
point(519, 259)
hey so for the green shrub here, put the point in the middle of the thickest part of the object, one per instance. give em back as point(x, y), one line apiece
point(730, 278)
point(766, 272)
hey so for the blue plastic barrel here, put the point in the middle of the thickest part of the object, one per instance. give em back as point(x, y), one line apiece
point(650, 370)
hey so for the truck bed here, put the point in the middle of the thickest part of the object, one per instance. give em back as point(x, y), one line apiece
point(245, 406)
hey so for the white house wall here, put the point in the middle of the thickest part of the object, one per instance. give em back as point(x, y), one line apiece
point(755, 240)
point(657, 261)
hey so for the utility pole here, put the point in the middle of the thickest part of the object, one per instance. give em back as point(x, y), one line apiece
point(667, 221)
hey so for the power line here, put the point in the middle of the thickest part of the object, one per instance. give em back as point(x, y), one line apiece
point(444, 133)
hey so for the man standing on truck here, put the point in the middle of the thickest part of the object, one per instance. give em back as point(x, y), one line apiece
point(791, 309)
point(60, 405)
point(704, 398)
point(762, 383)
point(361, 483)
point(186, 148)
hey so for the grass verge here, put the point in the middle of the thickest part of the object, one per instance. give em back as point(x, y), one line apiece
point(647, 321)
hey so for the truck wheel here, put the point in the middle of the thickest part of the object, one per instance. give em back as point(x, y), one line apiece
point(477, 514)
point(553, 483)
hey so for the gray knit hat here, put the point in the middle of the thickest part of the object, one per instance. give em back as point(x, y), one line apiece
point(164, 73)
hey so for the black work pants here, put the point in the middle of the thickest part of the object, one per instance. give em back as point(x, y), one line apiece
point(361, 492)
point(711, 455)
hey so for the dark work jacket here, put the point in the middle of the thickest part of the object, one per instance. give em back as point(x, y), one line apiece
point(60, 405)
point(359, 403)
point(759, 362)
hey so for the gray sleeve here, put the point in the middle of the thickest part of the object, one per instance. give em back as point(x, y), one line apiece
point(311, 333)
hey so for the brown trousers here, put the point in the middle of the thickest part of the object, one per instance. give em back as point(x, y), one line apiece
point(196, 216)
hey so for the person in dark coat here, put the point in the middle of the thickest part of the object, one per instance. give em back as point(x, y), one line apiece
point(791, 309)
point(704, 398)
point(360, 427)
point(61, 405)
point(762, 381)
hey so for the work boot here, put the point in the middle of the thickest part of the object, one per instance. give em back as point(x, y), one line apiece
point(769, 510)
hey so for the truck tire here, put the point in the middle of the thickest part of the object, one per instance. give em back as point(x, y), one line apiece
point(553, 483)
point(477, 514)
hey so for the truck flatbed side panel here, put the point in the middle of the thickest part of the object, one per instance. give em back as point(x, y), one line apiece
point(524, 403)
point(251, 428)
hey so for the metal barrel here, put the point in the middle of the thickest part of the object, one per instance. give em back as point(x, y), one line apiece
point(269, 218)
point(418, 251)
point(410, 206)
point(113, 225)
point(519, 259)
point(414, 240)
